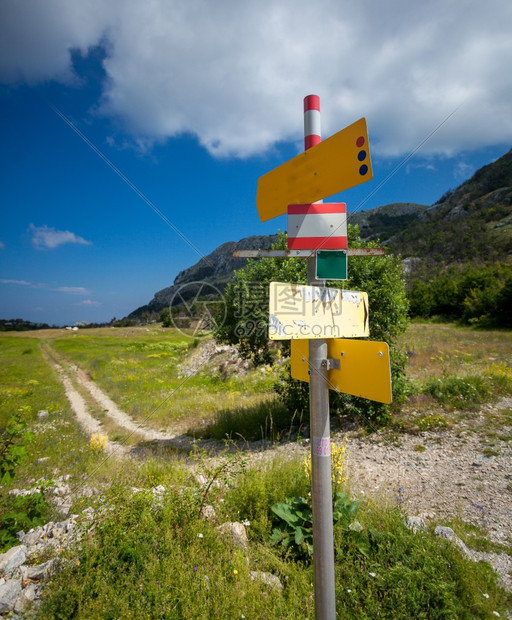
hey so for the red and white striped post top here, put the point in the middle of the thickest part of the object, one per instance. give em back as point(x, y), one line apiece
point(312, 127)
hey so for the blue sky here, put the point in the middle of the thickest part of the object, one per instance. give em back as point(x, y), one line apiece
point(114, 113)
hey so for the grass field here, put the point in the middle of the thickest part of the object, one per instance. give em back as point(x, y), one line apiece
point(167, 561)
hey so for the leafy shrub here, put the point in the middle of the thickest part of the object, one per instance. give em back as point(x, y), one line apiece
point(247, 320)
point(21, 513)
point(12, 450)
point(295, 531)
point(18, 512)
point(459, 392)
point(477, 295)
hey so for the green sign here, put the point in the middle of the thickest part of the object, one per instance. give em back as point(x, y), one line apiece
point(331, 265)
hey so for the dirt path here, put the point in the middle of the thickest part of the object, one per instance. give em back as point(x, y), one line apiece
point(90, 425)
point(69, 373)
point(433, 475)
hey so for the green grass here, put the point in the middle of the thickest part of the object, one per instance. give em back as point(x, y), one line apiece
point(162, 560)
point(155, 560)
point(29, 385)
point(269, 420)
point(435, 350)
point(140, 372)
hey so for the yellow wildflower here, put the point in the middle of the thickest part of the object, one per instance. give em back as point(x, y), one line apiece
point(98, 442)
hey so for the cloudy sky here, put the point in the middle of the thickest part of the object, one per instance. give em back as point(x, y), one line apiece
point(133, 134)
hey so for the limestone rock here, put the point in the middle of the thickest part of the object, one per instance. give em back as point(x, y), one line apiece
point(447, 532)
point(9, 592)
point(267, 578)
point(13, 558)
point(415, 524)
point(236, 532)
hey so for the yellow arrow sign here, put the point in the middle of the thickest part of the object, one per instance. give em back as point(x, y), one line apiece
point(332, 166)
point(306, 312)
point(364, 370)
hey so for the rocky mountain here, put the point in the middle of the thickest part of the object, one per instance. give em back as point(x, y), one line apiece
point(471, 223)
point(215, 269)
point(385, 222)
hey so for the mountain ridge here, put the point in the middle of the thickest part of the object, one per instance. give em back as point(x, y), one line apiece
point(471, 223)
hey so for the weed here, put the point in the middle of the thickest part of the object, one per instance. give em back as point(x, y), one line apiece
point(419, 448)
point(98, 442)
point(231, 464)
point(18, 512)
point(459, 392)
point(432, 423)
point(488, 452)
point(21, 513)
point(295, 530)
point(12, 448)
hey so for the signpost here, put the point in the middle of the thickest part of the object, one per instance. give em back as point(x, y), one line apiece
point(317, 226)
point(312, 312)
point(331, 265)
point(352, 363)
point(332, 166)
point(319, 319)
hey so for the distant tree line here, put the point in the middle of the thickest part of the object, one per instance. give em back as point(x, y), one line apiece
point(478, 295)
point(20, 325)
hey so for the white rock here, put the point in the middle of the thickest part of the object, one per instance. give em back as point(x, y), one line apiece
point(415, 524)
point(236, 532)
point(267, 578)
point(447, 532)
point(9, 592)
point(28, 595)
point(13, 558)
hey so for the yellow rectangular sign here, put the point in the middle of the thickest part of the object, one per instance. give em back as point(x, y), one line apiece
point(310, 312)
point(364, 370)
point(334, 165)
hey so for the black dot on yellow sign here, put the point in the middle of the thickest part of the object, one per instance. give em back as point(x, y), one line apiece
point(362, 155)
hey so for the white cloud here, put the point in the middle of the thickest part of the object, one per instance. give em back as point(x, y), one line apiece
point(47, 237)
point(235, 73)
point(17, 282)
point(463, 171)
point(89, 302)
point(73, 290)
point(2, 245)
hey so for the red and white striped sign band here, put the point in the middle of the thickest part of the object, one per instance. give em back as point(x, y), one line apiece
point(321, 226)
point(312, 127)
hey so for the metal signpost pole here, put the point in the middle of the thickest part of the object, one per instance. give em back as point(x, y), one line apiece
point(321, 487)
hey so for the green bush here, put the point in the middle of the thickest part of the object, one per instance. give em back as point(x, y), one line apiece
point(474, 294)
point(247, 320)
point(459, 392)
point(16, 512)
point(21, 513)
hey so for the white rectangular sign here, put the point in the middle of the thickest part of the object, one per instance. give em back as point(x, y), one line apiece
point(317, 226)
point(311, 312)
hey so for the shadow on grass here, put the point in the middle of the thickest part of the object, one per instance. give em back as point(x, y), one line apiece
point(267, 421)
